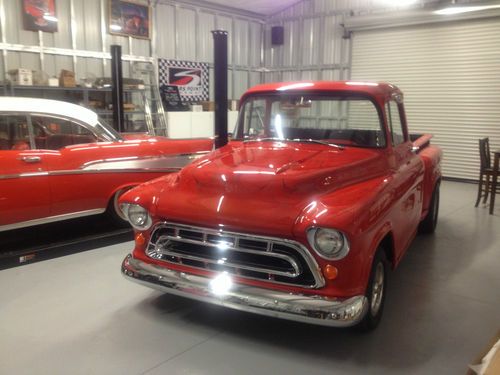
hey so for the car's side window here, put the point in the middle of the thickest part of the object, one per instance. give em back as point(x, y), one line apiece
point(14, 132)
point(395, 123)
point(54, 133)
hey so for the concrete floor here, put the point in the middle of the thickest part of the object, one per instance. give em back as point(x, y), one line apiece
point(77, 315)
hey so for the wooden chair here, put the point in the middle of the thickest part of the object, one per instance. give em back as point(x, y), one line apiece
point(485, 172)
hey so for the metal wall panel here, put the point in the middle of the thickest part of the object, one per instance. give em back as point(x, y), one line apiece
point(206, 23)
point(241, 47)
point(164, 19)
point(186, 36)
point(255, 48)
point(450, 75)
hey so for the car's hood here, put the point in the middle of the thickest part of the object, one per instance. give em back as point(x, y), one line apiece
point(254, 184)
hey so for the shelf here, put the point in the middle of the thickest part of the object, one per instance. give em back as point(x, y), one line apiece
point(58, 88)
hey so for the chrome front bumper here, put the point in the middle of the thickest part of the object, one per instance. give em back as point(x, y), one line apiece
point(311, 309)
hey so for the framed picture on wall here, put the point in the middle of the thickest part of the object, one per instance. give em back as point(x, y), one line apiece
point(39, 15)
point(129, 19)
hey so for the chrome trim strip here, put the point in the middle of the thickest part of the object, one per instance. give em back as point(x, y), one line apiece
point(301, 249)
point(287, 258)
point(51, 219)
point(312, 309)
point(149, 164)
point(227, 264)
point(23, 175)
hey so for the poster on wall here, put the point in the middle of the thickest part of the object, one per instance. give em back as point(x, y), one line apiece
point(129, 19)
point(190, 77)
point(39, 15)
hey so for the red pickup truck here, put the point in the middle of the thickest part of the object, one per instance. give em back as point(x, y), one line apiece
point(320, 190)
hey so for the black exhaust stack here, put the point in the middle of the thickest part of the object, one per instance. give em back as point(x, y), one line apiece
point(220, 87)
point(117, 87)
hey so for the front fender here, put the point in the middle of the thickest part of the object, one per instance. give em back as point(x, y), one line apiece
point(360, 211)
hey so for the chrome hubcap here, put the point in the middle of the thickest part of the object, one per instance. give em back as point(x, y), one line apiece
point(377, 289)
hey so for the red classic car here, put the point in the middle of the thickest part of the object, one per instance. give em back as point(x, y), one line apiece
point(300, 215)
point(60, 161)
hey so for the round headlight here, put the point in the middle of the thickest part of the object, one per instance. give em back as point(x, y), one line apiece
point(137, 215)
point(329, 243)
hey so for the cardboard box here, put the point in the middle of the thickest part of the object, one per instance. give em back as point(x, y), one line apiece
point(208, 106)
point(492, 352)
point(67, 78)
point(53, 81)
point(232, 104)
point(22, 77)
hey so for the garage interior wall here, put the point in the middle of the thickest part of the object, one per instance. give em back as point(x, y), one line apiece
point(315, 46)
point(82, 42)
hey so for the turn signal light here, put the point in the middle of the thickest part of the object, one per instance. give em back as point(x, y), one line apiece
point(330, 272)
point(139, 239)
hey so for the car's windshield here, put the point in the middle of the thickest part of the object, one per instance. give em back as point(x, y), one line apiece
point(341, 120)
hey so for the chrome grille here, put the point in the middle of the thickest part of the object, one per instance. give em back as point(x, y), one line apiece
point(254, 257)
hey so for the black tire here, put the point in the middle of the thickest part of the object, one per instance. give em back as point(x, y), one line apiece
point(428, 225)
point(375, 293)
point(113, 211)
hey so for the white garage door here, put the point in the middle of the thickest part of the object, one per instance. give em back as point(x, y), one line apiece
point(450, 76)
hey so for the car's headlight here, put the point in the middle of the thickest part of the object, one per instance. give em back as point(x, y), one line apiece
point(328, 243)
point(137, 215)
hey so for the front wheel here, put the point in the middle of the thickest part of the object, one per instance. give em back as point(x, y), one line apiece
point(375, 292)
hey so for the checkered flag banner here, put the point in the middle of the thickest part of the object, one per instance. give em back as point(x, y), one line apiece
point(191, 78)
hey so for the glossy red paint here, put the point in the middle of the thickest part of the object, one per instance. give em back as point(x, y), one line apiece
point(40, 185)
point(282, 189)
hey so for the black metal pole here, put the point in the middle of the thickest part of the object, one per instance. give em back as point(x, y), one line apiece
point(220, 87)
point(117, 87)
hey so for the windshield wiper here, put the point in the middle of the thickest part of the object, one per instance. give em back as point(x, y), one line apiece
point(264, 139)
point(294, 140)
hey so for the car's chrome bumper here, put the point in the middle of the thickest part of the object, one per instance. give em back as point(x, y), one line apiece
point(299, 307)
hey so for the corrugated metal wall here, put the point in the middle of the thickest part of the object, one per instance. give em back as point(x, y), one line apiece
point(450, 75)
point(82, 42)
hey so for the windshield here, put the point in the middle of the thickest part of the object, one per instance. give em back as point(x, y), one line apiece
point(106, 132)
point(340, 120)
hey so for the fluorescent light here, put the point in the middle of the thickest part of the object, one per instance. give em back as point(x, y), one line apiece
point(115, 27)
point(464, 9)
point(49, 17)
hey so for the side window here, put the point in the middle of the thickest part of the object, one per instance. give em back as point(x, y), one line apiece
point(53, 133)
point(14, 133)
point(395, 124)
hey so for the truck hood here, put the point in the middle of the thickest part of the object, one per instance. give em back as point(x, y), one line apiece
point(253, 184)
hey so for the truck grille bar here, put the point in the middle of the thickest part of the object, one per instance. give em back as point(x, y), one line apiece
point(270, 259)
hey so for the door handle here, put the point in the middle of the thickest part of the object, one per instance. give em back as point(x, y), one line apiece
point(31, 159)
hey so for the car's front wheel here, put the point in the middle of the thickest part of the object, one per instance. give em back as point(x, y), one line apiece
point(375, 292)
